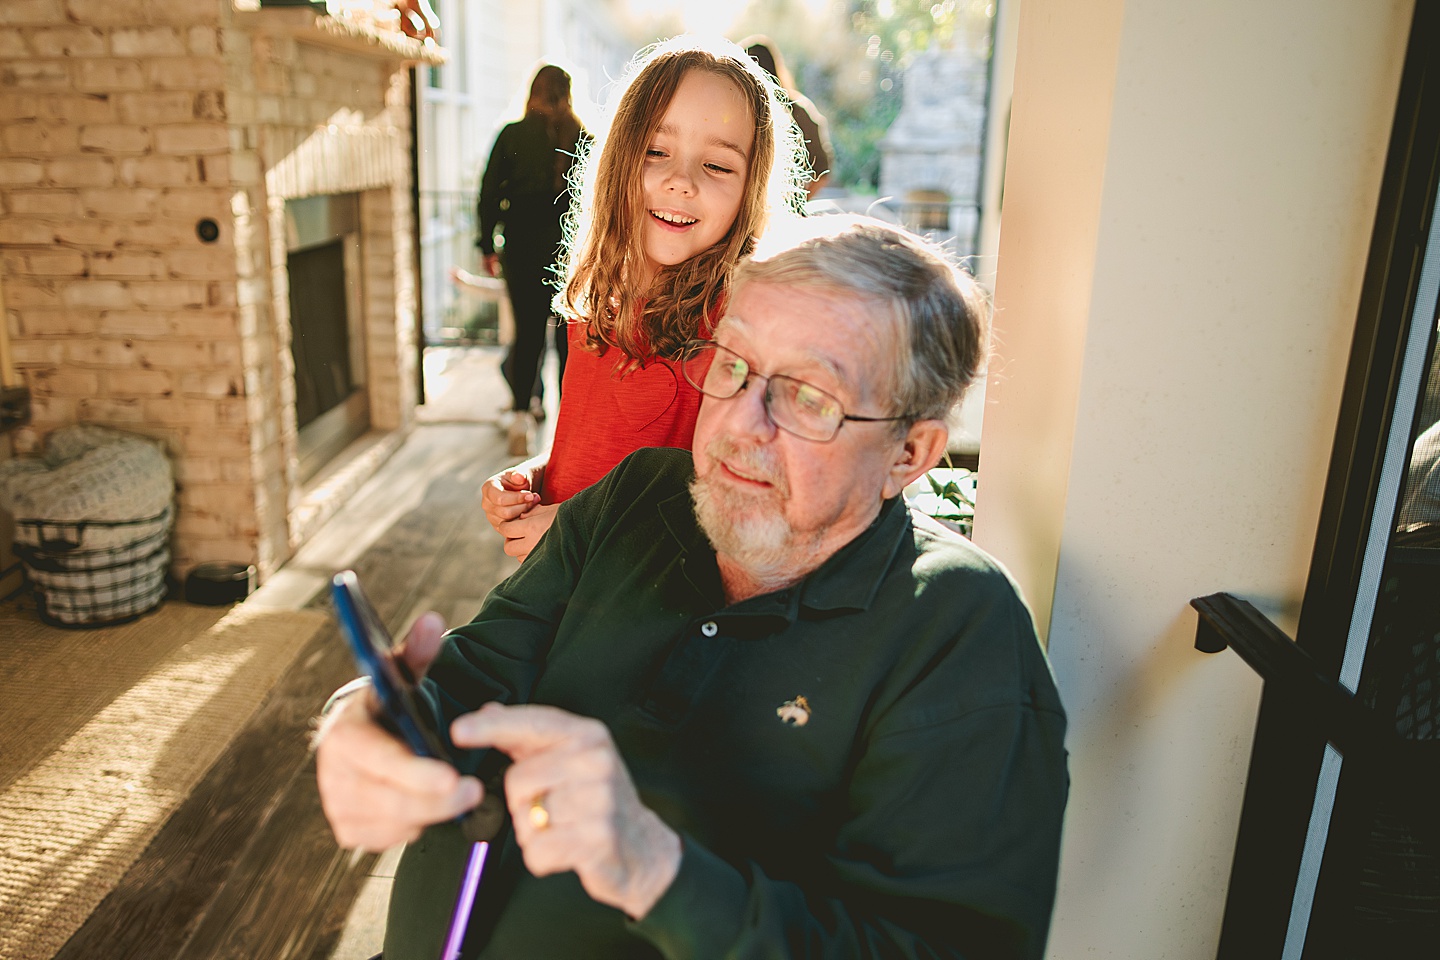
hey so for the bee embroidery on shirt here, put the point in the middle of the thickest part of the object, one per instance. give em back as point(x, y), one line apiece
point(795, 712)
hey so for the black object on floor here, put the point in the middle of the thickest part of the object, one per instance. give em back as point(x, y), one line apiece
point(217, 583)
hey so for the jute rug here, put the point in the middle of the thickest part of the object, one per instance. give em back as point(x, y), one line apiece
point(102, 734)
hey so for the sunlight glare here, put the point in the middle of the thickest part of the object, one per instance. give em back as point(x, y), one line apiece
point(66, 843)
point(696, 16)
point(717, 16)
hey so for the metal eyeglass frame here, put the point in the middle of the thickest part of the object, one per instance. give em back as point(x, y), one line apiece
point(692, 348)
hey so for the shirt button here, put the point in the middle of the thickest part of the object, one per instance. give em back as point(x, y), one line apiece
point(709, 629)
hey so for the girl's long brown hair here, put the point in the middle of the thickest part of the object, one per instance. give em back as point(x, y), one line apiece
point(605, 251)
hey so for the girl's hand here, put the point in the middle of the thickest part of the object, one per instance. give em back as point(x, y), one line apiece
point(522, 534)
point(511, 494)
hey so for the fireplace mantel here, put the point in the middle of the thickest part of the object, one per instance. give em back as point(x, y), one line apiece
point(309, 25)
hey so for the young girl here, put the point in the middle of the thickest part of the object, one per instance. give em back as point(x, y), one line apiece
point(699, 153)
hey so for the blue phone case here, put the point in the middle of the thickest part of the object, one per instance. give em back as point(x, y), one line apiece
point(374, 651)
point(395, 687)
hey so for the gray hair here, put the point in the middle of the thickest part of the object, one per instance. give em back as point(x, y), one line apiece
point(939, 314)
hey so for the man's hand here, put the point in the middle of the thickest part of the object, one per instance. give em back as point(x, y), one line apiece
point(574, 806)
point(492, 264)
point(422, 642)
point(375, 792)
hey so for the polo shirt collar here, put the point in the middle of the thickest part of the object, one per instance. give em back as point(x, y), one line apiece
point(851, 577)
point(847, 581)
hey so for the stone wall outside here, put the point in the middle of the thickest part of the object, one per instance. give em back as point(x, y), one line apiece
point(933, 149)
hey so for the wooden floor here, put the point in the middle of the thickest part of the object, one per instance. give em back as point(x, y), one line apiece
point(247, 867)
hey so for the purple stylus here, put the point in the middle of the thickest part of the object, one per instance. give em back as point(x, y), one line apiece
point(469, 884)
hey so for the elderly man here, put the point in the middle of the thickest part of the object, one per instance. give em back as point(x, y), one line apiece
point(755, 708)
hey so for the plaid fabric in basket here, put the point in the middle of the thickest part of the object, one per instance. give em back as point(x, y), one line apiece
point(93, 520)
point(87, 474)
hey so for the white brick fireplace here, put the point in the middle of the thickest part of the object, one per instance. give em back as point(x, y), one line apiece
point(154, 156)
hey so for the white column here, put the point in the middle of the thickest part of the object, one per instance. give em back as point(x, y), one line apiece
point(1189, 201)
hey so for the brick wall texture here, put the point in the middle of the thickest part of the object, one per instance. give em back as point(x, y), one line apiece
point(123, 125)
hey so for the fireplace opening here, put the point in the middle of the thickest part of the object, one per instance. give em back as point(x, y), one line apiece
point(327, 341)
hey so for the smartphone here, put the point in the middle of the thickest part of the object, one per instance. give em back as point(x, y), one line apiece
point(374, 652)
point(394, 684)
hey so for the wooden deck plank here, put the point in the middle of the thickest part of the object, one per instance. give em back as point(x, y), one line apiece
point(247, 866)
point(161, 900)
point(277, 901)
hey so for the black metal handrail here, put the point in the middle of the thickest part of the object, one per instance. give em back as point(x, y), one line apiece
point(1348, 724)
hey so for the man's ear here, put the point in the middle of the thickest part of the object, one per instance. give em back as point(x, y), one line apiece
point(921, 449)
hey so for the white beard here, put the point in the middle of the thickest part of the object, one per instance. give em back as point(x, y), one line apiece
point(751, 529)
point(742, 528)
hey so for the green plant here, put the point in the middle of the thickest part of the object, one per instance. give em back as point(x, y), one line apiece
point(955, 505)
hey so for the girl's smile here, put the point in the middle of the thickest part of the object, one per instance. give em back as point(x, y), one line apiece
point(670, 218)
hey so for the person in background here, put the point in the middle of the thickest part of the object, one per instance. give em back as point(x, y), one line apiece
point(754, 706)
point(697, 159)
point(813, 127)
point(524, 194)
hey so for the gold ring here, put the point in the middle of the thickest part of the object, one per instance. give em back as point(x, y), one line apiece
point(539, 813)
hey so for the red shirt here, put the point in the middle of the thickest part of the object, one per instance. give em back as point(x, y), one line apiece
point(605, 417)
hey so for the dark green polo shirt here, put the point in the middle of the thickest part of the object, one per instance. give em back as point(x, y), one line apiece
point(908, 806)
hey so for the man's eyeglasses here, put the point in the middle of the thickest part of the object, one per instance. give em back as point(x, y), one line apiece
point(792, 405)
